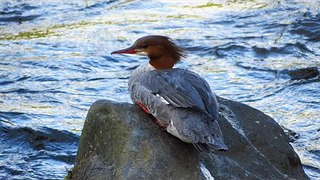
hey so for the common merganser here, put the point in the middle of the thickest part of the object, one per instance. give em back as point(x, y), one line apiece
point(180, 100)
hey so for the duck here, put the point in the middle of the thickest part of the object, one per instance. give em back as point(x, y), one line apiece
point(181, 101)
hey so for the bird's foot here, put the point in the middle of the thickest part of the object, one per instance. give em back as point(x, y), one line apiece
point(162, 126)
point(143, 107)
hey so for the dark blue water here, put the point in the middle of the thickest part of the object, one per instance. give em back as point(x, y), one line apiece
point(55, 62)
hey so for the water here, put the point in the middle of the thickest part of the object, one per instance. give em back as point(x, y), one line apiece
point(55, 62)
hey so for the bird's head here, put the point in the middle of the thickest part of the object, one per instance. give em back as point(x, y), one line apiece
point(162, 52)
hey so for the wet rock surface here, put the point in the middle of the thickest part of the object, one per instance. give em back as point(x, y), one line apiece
point(119, 141)
point(304, 73)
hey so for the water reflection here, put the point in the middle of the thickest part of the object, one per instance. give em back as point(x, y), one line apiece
point(55, 62)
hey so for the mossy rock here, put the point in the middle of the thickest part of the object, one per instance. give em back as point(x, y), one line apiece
point(120, 141)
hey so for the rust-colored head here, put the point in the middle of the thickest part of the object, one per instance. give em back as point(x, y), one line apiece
point(163, 53)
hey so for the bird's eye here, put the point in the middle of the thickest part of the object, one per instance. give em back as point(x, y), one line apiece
point(144, 46)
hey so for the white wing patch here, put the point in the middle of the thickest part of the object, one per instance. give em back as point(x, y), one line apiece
point(162, 99)
point(173, 130)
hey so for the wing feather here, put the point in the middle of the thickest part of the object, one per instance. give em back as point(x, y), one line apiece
point(181, 88)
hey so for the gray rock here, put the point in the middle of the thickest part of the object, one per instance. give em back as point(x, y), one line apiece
point(120, 141)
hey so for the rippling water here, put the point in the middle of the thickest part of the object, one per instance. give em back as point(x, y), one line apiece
point(55, 62)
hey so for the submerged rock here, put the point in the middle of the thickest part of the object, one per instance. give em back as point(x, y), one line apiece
point(304, 73)
point(120, 141)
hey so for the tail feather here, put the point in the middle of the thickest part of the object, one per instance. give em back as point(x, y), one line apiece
point(208, 148)
point(220, 146)
point(217, 142)
point(202, 148)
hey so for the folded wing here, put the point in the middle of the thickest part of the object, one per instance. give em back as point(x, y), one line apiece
point(181, 88)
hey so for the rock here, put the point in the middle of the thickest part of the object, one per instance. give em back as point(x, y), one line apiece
point(120, 141)
point(303, 73)
point(292, 136)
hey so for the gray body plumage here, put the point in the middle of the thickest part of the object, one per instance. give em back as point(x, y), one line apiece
point(180, 100)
